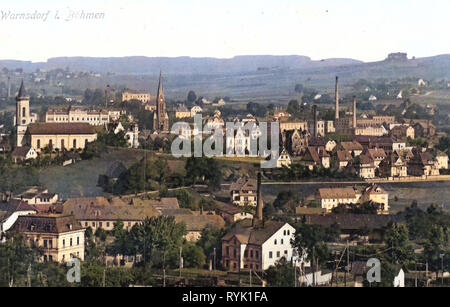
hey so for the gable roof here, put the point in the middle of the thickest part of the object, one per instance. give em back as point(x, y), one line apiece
point(247, 234)
point(21, 152)
point(46, 224)
point(60, 128)
point(100, 208)
point(199, 222)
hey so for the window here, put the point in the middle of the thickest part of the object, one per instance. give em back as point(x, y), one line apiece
point(234, 253)
point(45, 243)
point(50, 144)
point(275, 242)
point(246, 254)
point(78, 240)
point(234, 265)
point(251, 254)
point(24, 112)
point(100, 224)
point(257, 254)
point(86, 224)
point(278, 254)
point(38, 143)
point(107, 224)
point(270, 255)
point(285, 252)
point(228, 251)
point(64, 243)
point(282, 242)
point(50, 243)
point(70, 241)
point(74, 143)
point(62, 144)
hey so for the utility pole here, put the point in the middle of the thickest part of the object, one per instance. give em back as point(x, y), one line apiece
point(250, 277)
point(214, 260)
point(347, 272)
point(442, 268)
point(314, 273)
point(180, 261)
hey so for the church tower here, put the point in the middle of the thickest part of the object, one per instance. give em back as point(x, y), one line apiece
point(23, 116)
point(160, 117)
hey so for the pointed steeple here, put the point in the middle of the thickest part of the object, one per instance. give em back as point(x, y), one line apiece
point(160, 86)
point(22, 92)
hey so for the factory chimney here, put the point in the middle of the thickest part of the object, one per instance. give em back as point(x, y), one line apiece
point(259, 204)
point(9, 87)
point(315, 120)
point(336, 96)
point(354, 112)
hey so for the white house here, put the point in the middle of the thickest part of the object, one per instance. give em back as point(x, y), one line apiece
point(257, 247)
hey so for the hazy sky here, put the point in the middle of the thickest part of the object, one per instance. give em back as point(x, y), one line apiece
point(367, 30)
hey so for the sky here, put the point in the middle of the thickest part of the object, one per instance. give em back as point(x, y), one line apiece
point(366, 30)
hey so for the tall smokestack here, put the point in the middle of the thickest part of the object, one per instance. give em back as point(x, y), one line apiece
point(260, 204)
point(354, 112)
point(315, 120)
point(336, 96)
point(9, 87)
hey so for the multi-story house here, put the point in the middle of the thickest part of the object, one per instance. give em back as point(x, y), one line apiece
point(442, 159)
point(393, 166)
point(243, 192)
point(315, 157)
point(99, 212)
point(377, 155)
point(354, 148)
point(296, 141)
point(365, 167)
point(61, 237)
point(423, 164)
point(256, 248)
point(333, 197)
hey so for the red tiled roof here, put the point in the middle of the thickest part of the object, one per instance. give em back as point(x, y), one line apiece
point(61, 128)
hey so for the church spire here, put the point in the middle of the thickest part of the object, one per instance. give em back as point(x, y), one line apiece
point(22, 92)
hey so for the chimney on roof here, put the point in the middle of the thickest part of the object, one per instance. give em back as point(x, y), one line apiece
point(336, 96)
point(354, 112)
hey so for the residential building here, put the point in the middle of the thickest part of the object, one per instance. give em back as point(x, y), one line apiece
point(243, 192)
point(195, 224)
point(354, 148)
point(23, 153)
point(300, 126)
point(99, 212)
point(424, 129)
point(61, 237)
point(377, 155)
point(232, 214)
point(284, 160)
point(393, 166)
point(182, 112)
point(365, 167)
point(343, 158)
point(129, 95)
point(79, 115)
point(423, 164)
point(442, 159)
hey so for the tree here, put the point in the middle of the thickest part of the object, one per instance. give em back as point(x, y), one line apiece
point(203, 170)
point(397, 238)
point(191, 97)
point(435, 246)
point(293, 107)
point(156, 237)
point(16, 258)
point(211, 239)
point(281, 274)
point(193, 256)
point(310, 239)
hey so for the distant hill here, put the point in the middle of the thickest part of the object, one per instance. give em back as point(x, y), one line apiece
point(179, 65)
